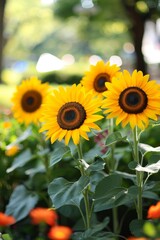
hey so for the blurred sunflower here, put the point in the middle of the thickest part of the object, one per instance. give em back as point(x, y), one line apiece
point(70, 113)
point(132, 99)
point(98, 75)
point(28, 100)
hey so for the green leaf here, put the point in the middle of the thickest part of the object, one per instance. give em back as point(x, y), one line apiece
point(97, 165)
point(132, 165)
point(107, 184)
point(63, 192)
point(150, 195)
point(126, 175)
point(95, 232)
point(21, 160)
point(5, 237)
point(114, 138)
point(95, 178)
point(149, 229)
point(136, 227)
point(21, 202)
point(58, 154)
point(107, 191)
point(23, 136)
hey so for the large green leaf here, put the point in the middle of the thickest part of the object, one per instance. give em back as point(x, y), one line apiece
point(107, 184)
point(63, 192)
point(110, 193)
point(21, 202)
point(105, 190)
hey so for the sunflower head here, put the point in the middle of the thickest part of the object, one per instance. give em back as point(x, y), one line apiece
point(132, 99)
point(70, 113)
point(98, 75)
point(28, 99)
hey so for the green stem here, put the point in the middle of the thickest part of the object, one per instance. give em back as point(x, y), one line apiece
point(112, 169)
point(87, 207)
point(115, 220)
point(86, 190)
point(111, 130)
point(80, 156)
point(139, 175)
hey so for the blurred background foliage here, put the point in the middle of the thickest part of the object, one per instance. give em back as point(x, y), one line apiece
point(58, 40)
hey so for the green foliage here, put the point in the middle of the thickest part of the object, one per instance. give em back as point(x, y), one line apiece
point(6, 237)
point(22, 201)
point(63, 192)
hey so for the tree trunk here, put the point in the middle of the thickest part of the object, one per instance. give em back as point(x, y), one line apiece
point(137, 31)
point(2, 7)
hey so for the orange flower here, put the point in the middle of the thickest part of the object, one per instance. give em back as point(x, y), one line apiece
point(46, 215)
point(60, 233)
point(11, 150)
point(6, 220)
point(154, 211)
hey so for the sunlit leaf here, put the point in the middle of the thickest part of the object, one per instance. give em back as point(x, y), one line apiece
point(152, 168)
point(5, 237)
point(149, 229)
point(147, 148)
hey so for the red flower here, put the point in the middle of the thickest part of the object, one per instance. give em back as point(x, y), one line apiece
point(6, 220)
point(38, 215)
point(154, 211)
point(60, 233)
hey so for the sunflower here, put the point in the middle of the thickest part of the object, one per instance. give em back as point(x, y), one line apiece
point(70, 113)
point(98, 75)
point(28, 100)
point(132, 99)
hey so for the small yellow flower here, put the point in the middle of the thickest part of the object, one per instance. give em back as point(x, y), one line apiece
point(12, 150)
point(28, 100)
point(70, 113)
point(98, 75)
point(132, 99)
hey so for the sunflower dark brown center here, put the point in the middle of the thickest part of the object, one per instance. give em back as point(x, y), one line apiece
point(133, 100)
point(31, 101)
point(99, 82)
point(71, 115)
